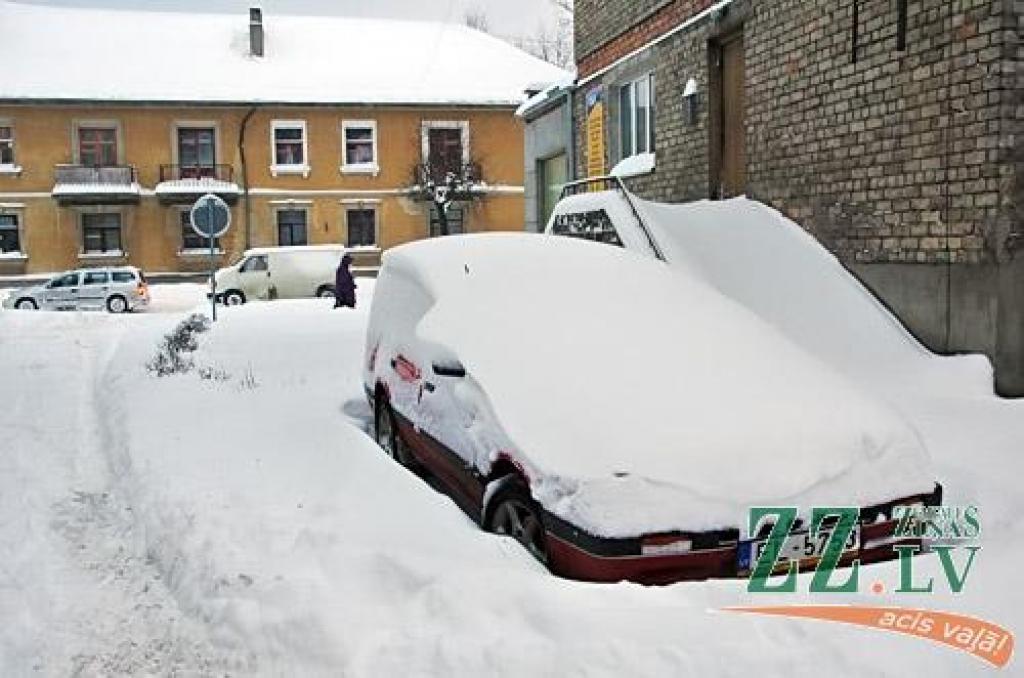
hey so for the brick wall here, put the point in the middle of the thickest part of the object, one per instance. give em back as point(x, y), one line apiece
point(909, 156)
point(598, 21)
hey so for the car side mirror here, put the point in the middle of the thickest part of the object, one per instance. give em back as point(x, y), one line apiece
point(448, 368)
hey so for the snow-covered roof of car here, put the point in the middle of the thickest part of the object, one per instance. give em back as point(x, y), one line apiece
point(643, 397)
point(294, 248)
point(138, 55)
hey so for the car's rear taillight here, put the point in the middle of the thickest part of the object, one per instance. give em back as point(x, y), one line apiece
point(143, 290)
point(665, 545)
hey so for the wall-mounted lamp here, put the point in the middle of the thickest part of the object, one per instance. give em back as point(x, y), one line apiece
point(691, 101)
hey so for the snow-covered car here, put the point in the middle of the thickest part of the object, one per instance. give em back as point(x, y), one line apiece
point(118, 289)
point(616, 416)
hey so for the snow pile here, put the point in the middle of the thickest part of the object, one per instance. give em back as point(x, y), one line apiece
point(203, 57)
point(182, 526)
point(644, 400)
point(634, 165)
point(761, 259)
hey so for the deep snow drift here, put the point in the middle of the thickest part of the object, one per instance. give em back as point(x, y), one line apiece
point(245, 525)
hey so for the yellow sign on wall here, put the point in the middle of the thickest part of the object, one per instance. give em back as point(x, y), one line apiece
point(595, 132)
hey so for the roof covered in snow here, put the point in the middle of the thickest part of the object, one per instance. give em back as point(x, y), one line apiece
point(134, 55)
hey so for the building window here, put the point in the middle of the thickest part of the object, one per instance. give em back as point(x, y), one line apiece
point(289, 143)
point(97, 146)
point(445, 147)
point(455, 216)
point(6, 145)
point(190, 240)
point(359, 139)
point(362, 227)
point(636, 117)
point(9, 236)
point(291, 227)
point(197, 154)
point(101, 233)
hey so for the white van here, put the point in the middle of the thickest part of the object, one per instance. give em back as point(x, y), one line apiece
point(280, 273)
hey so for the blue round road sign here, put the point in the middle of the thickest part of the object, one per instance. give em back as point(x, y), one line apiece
point(210, 216)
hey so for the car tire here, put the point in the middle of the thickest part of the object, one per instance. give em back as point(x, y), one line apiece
point(26, 304)
point(385, 431)
point(514, 513)
point(325, 292)
point(234, 298)
point(117, 304)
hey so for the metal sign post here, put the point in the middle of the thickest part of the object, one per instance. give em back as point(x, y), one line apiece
point(211, 218)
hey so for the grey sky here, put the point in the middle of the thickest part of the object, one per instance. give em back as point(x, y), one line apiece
point(506, 17)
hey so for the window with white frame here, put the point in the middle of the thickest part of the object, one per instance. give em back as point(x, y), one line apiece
point(359, 142)
point(6, 145)
point(289, 144)
point(10, 240)
point(636, 117)
point(445, 146)
point(362, 227)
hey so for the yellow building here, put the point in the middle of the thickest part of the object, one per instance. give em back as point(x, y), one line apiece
point(316, 130)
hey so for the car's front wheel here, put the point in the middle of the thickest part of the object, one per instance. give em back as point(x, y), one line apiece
point(517, 515)
point(117, 304)
point(26, 305)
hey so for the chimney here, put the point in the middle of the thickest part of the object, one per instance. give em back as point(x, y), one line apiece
point(256, 31)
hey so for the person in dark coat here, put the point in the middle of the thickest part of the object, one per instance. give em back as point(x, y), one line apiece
point(344, 284)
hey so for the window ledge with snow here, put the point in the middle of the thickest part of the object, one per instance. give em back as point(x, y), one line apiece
point(109, 254)
point(13, 256)
point(199, 252)
point(14, 170)
point(634, 166)
point(363, 168)
point(279, 170)
point(372, 249)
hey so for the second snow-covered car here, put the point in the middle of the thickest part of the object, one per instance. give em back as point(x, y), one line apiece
point(618, 417)
point(117, 289)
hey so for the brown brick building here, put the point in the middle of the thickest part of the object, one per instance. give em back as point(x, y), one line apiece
point(891, 129)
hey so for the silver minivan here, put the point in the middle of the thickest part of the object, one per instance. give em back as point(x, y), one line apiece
point(118, 289)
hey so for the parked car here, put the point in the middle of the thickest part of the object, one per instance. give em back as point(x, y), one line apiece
point(615, 417)
point(280, 273)
point(118, 289)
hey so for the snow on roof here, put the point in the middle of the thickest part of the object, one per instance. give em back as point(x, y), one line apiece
point(136, 55)
point(641, 397)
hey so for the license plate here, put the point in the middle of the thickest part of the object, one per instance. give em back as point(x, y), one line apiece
point(798, 546)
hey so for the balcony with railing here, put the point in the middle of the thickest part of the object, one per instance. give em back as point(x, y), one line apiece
point(183, 184)
point(85, 185)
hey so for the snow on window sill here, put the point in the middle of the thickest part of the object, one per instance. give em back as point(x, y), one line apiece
point(363, 248)
point(109, 254)
point(13, 256)
point(278, 170)
point(199, 252)
point(13, 170)
point(362, 168)
point(634, 166)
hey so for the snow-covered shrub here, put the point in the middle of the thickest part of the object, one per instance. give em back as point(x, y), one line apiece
point(172, 356)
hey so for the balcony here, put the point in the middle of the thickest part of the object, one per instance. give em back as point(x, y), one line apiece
point(183, 184)
point(81, 185)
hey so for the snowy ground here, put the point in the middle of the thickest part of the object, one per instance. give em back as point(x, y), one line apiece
point(246, 525)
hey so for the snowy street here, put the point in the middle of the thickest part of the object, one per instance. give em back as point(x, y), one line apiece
point(238, 520)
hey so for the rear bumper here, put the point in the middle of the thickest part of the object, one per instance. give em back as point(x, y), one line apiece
point(577, 555)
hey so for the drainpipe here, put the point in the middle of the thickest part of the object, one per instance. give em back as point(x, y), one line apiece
point(246, 206)
point(570, 125)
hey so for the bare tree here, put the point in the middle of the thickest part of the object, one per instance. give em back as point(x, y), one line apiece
point(476, 17)
point(553, 43)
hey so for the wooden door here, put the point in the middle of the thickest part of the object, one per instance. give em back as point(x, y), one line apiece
point(733, 172)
